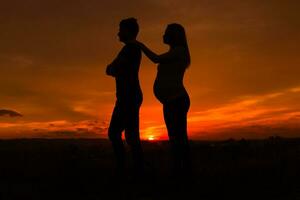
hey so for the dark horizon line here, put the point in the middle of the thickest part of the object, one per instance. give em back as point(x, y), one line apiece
point(154, 141)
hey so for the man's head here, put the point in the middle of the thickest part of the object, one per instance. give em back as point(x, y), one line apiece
point(128, 29)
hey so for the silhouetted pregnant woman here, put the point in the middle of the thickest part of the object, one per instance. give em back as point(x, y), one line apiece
point(170, 91)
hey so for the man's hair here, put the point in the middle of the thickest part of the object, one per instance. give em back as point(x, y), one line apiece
point(131, 25)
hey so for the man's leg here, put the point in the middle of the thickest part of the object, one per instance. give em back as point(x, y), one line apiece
point(132, 135)
point(115, 136)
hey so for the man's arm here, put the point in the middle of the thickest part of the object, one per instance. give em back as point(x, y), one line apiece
point(123, 59)
point(114, 68)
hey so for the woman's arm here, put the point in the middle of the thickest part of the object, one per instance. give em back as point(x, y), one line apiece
point(174, 53)
point(150, 54)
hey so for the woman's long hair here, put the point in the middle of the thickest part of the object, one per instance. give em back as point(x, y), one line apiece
point(178, 38)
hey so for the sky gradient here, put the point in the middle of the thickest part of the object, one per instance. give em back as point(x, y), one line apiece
point(243, 80)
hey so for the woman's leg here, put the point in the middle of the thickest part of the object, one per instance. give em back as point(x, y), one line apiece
point(183, 105)
point(183, 140)
point(175, 115)
point(170, 120)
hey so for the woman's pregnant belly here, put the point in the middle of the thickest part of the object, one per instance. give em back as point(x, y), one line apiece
point(165, 90)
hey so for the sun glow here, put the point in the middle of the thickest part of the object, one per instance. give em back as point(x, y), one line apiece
point(151, 138)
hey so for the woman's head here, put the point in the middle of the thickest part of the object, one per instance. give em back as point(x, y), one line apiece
point(175, 36)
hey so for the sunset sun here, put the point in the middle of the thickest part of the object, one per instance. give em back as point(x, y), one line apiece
point(151, 138)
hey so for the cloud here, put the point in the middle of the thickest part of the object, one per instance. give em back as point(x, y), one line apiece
point(9, 113)
point(60, 128)
point(244, 113)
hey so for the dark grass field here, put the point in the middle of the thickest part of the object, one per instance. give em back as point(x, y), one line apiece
point(83, 169)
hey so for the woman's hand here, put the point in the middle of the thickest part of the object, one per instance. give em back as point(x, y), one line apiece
point(150, 54)
point(140, 44)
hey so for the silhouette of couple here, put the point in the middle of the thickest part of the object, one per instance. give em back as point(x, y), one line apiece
point(168, 89)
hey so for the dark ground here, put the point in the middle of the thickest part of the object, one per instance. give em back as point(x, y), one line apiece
point(83, 169)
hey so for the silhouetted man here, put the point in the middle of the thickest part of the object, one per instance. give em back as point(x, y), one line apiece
point(125, 115)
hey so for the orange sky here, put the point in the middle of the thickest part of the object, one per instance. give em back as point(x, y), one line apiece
point(243, 80)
